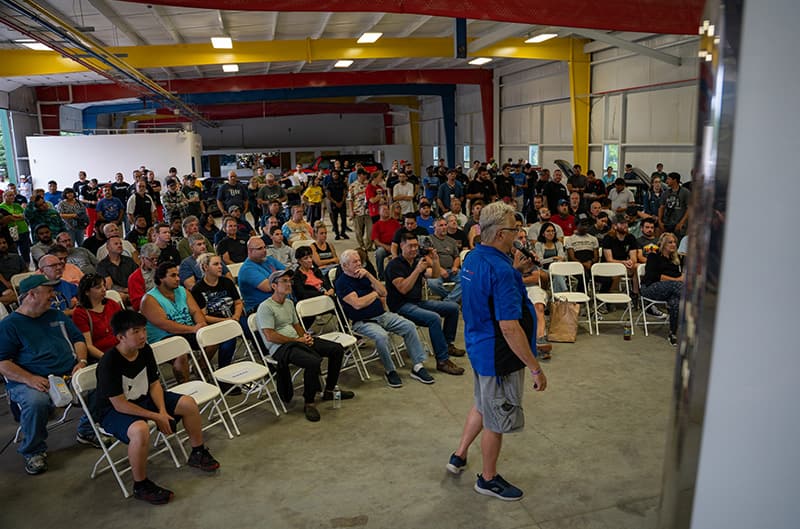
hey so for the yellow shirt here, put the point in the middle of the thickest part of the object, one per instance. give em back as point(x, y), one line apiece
point(313, 194)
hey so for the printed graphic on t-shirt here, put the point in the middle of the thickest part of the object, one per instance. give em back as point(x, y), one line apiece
point(136, 387)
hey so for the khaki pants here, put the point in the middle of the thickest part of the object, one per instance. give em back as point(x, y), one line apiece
point(362, 224)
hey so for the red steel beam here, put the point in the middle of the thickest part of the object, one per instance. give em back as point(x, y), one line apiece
point(650, 16)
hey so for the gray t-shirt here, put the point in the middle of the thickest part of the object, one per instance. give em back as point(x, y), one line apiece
point(620, 199)
point(447, 249)
point(284, 254)
point(675, 205)
point(280, 317)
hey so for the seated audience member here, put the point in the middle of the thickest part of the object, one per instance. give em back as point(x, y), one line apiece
point(549, 250)
point(190, 226)
point(455, 211)
point(29, 354)
point(274, 209)
point(243, 228)
point(232, 248)
point(308, 280)
point(621, 197)
point(85, 260)
point(619, 246)
point(72, 274)
point(383, 231)
point(254, 274)
point(449, 269)
point(217, 297)
point(404, 277)
point(116, 268)
point(536, 227)
point(456, 233)
point(129, 394)
point(533, 278)
point(93, 316)
point(10, 265)
point(582, 247)
point(289, 344)
point(278, 249)
point(425, 218)
point(324, 253)
point(138, 234)
point(409, 226)
point(575, 205)
point(663, 280)
point(44, 241)
point(647, 241)
point(39, 212)
point(296, 229)
point(64, 294)
point(172, 311)
point(208, 228)
point(601, 225)
point(189, 271)
point(475, 210)
point(362, 297)
point(129, 250)
point(143, 279)
point(163, 240)
point(564, 219)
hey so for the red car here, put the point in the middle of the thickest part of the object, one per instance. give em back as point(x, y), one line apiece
point(325, 164)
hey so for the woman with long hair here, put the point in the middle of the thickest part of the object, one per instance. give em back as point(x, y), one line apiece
point(93, 315)
point(550, 250)
point(663, 279)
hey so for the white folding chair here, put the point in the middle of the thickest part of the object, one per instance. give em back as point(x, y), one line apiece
point(647, 303)
point(611, 270)
point(252, 325)
point(85, 380)
point(249, 375)
point(315, 306)
point(206, 395)
point(569, 270)
point(16, 279)
point(116, 296)
point(301, 243)
point(51, 425)
point(3, 311)
point(234, 270)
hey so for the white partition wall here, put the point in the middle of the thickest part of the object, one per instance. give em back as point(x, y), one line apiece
point(60, 158)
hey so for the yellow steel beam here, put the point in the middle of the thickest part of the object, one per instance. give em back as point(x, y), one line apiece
point(580, 72)
point(15, 63)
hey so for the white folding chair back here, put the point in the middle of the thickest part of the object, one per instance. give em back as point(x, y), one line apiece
point(301, 243)
point(249, 375)
point(85, 380)
point(205, 394)
point(324, 304)
point(647, 303)
point(3, 311)
point(234, 270)
point(116, 296)
point(569, 270)
point(611, 270)
point(16, 279)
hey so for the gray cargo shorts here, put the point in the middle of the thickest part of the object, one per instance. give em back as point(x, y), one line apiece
point(499, 400)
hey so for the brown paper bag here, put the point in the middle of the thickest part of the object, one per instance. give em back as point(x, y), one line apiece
point(563, 321)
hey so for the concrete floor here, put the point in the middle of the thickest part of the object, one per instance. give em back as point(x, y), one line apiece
point(590, 456)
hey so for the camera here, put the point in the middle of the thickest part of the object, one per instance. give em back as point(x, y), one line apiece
point(425, 246)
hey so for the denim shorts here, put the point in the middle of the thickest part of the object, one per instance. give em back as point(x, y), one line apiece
point(117, 424)
point(499, 400)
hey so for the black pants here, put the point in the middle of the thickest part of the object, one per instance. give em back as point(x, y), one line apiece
point(310, 359)
point(336, 214)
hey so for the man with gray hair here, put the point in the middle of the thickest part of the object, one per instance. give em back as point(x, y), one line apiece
point(189, 271)
point(142, 279)
point(79, 256)
point(364, 301)
point(500, 333)
point(128, 250)
point(191, 225)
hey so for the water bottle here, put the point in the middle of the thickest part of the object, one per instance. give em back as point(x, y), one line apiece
point(626, 334)
point(337, 398)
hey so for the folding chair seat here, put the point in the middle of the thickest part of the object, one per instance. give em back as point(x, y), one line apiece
point(85, 380)
point(206, 395)
point(571, 270)
point(647, 303)
point(249, 375)
point(611, 270)
point(234, 270)
point(116, 296)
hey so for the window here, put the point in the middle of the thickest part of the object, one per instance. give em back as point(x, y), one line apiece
point(5, 147)
point(467, 159)
point(533, 155)
point(435, 154)
point(611, 156)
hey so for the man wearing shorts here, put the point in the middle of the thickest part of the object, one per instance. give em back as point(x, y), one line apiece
point(500, 332)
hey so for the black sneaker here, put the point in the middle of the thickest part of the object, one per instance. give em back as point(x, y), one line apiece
point(456, 465)
point(422, 375)
point(497, 487)
point(654, 312)
point(36, 464)
point(152, 493)
point(311, 413)
point(344, 236)
point(394, 380)
point(203, 460)
point(88, 440)
point(673, 340)
point(346, 395)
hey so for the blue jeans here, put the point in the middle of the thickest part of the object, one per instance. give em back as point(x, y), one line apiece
point(436, 285)
point(429, 314)
point(378, 329)
point(380, 259)
point(35, 408)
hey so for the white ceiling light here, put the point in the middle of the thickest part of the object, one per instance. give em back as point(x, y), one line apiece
point(32, 44)
point(369, 38)
point(541, 38)
point(344, 63)
point(230, 68)
point(222, 43)
point(480, 61)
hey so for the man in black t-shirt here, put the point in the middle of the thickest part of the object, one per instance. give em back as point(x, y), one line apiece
point(129, 393)
point(409, 226)
point(619, 246)
point(232, 248)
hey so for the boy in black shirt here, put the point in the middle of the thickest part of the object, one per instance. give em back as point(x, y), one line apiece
point(129, 394)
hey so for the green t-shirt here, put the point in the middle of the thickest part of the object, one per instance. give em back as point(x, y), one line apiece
point(16, 209)
point(278, 316)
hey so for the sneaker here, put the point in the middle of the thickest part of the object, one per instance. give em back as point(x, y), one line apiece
point(338, 237)
point(448, 367)
point(452, 350)
point(36, 464)
point(654, 312)
point(202, 459)
point(152, 493)
point(393, 379)
point(498, 488)
point(456, 465)
point(88, 440)
point(344, 236)
point(422, 375)
point(311, 413)
point(673, 340)
point(542, 345)
point(346, 395)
